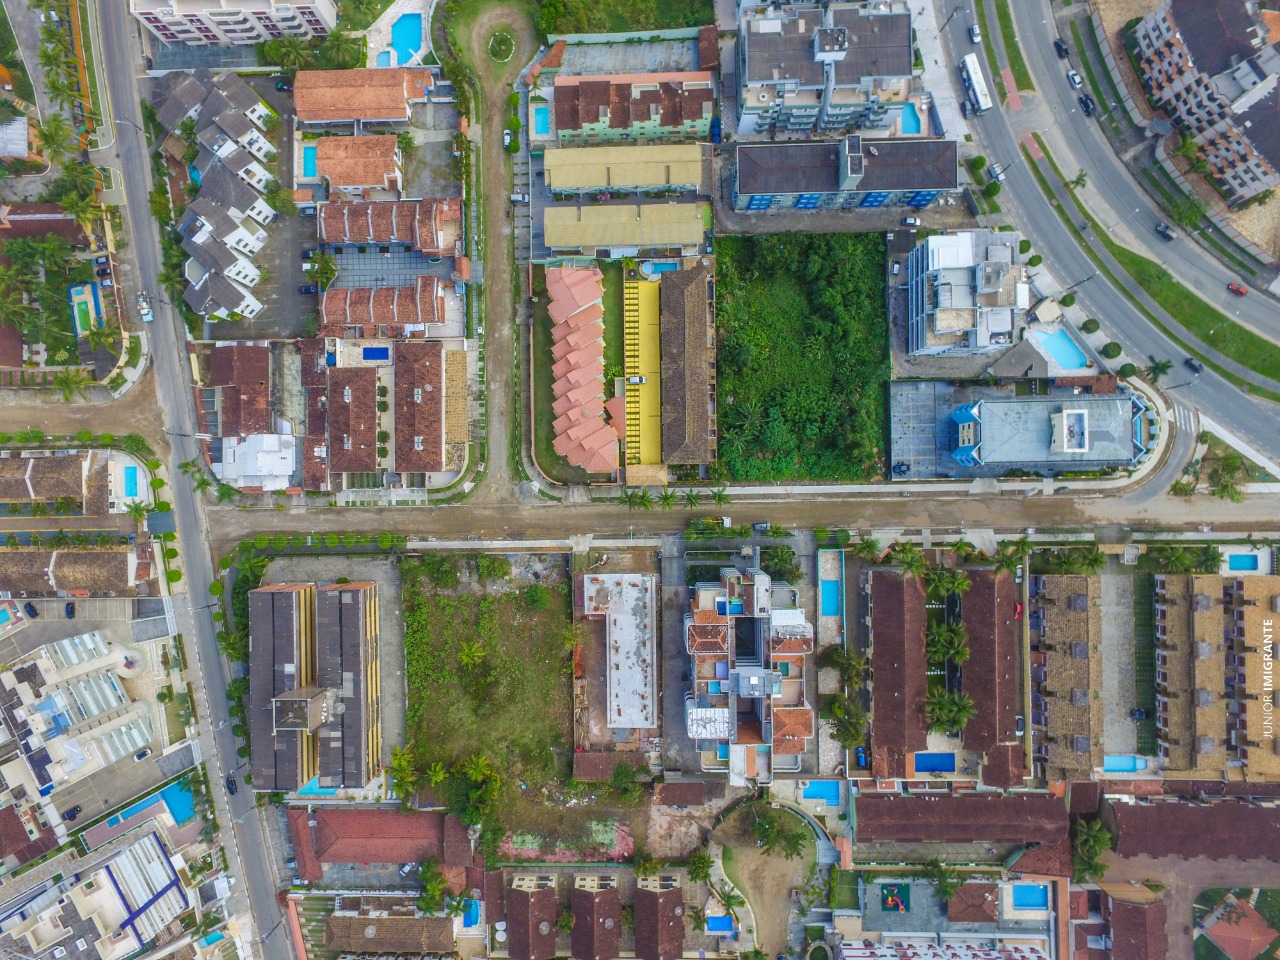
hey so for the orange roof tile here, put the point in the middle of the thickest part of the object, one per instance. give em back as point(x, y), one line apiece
point(357, 161)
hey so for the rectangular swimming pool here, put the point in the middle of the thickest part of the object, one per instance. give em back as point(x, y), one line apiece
point(5, 616)
point(825, 790)
point(935, 763)
point(130, 482)
point(1063, 349)
point(1030, 896)
point(541, 121)
point(830, 598)
point(1242, 561)
point(309, 161)
point(720, 924)
point(377, 353)
point(1123, 763)
point(910, 119)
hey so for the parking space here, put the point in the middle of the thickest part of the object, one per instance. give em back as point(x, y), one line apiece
point(919, 437)
point(52, 626)
point(389, 265)
point(1119, 651)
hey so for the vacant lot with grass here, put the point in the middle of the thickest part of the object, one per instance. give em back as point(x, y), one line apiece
point(618, 16)
point(803, 356)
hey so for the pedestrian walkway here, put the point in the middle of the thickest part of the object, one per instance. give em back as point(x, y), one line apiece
point(937, 72)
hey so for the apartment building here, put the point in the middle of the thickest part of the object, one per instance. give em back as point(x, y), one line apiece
point(233, 22)
point(746, 710)
point(613, 108)
point(822, 70)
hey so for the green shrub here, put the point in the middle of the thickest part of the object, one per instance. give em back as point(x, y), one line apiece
point(1091, 326)
point(1035, 261)
point(1111, 350)
point(991, 190)
point(537, 597)
point(1024, 247)
point(1127, 370)
point(1068, 301)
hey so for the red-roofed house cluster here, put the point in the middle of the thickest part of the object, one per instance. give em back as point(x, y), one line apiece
point(430, 226)
point(577, 316)
point(397, 312)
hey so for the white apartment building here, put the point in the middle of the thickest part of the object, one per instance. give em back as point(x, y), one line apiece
point(234, 21)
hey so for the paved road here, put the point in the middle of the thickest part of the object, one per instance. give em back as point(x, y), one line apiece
point(242, 831)
point(1257, 420)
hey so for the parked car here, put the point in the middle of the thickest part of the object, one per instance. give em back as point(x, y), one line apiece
point(1165, 232)
point(716, 134)
point(106, 282)
point(1239, 289)
point(284, 86)
point(506, 138)
point(637, 379)
point(1019, 725)
point(232, 787)
point(975, 33)
point(896, 268)
point(407, 869)
point(762, 527)
point(519, 198)
point(307, 252)
point(1017, 574)
point(103, 271)
point(996, 173)
point(1087, 104)
point(69, 610)
point(965, 109)
point(1063, 50)
point(1017, 611)
point(1194, 365)
point(308, 288)
point(1073, 78)
point(291, 863)
point(1137, 713)
point(30, 610)
point(101, 261)
point(141, 755)
point(71, 813)
point(307, 211)
point(911, 221)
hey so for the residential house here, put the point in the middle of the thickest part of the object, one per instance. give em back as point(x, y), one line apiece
point(179, 95)
point(221, 187)
point(596, 906)
point(967, 292)
point(42, 476)
point(659, 918)
point(431, 227)
point(365, 98)
point(895, 644)
point(91, 571)
point(628, 605)
point(1213, 648)
point(610, 108)
point(353, 420)
point(419, 407)
point(39, 220)
point(385, 312)
point(657, 168)
point(234, 400)
point(822, 70)
point(532, 912)
point(747, 712)
point(1212, 65)
point(959, 818)
point(387, 926)
point(222, 22)
point(625, 229)
point(687, 340)
point(1217, 830)
point(846, 174)
point(1120, 921)
point(356, 165)
point(1065, 615)
point(993, 675)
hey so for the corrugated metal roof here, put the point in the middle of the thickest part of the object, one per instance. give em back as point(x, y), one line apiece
point(632, 166)
point(643, 225)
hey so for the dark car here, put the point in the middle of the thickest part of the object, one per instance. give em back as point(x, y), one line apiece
point(101, 261)
point(308, 211)
point(715, 130)
point(1194, 365)
point(30, 610)
point(307, 252)
point(308, 288)
point(1166, 233)
point(1063, 50)
point(1087, 104)
point(72, 813)
point(284, 85)
point(141, 755)
point(1137, 713)
point(103, 271)
point(232, 786)
point(70, 610)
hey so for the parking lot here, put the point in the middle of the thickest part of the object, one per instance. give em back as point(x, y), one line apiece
point(919, 432)
point(392, 265)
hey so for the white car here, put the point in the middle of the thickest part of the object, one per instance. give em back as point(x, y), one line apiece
point(975, 33)
point(506, 138)
point(1073, 78)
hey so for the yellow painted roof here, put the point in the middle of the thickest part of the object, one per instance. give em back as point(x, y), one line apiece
point(631, 166)
point(624, 225)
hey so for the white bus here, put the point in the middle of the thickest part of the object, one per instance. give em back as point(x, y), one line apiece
point(975, 84)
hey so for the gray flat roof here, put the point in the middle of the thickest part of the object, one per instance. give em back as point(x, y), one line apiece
point(1018, 430)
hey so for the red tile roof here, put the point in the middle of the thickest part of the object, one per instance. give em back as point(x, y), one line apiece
point(377, 836)
point(597, 924)
point(243, 373)
point(1137, 932)
point(391, 312)
point(672, 99)
point(582, 436)
point(419, 371)
point(709, 48)
point(1050, 858)
point(419, 223)
point(792, 728)
point(353, 420)
point(898, 727)
point(991, 675)
point(974, 903)
point(328, 96)
point(15, 842)
point(659, 924)
point(956, 818)
point(554, 57)
point(10, 346)
point(38, 220)
point(1219, 830)
point(531, 924)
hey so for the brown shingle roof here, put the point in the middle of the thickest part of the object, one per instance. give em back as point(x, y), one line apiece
point(243, 372)
point(959, 818)
point(41, 478)
point(531, 924)
point(327, 96)
point(974, 903)
point(687, 357)
point(98, 571)
point(38, 220)
point(1047, 859)
point(673, 99)
point(1219, 830)
point(375, 836)
point(659, 921)
point(991, 675)
point(708, 48)
point(357, 161)
point(897, 660)
point(15, 842)
point(10, 346)
point(419, 371)
point(353, 420)
point(430, 226)
point(390, 934)
point(792, 727)
point(597, 924)
point(1137, 931)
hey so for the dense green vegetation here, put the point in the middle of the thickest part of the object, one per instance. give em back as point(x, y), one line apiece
point(33, 295)
point(618, 16)
point(802, 358)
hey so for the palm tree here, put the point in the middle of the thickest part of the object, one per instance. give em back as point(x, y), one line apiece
point(340, 50)
point(1007, 561)
point(292, 53)
point(1079, 180)
point(1089, 840)
point(667, 499)
point(963, 549)
point(62, 90)
point(1158, 369)
point(867, 548)
point(946, 641)
point(848, 723)
point(1088, 559)
point(720, 497)
point(851, 666)
point(477, 767)
point(71, 380)
point(937, 580)
point(100, 337)
point(82, 178)
point(201, 482)
point(436, 773)
point(645, 501)
point(944, 877)
point(631, 498)
point(55, 137)
point(1208, 558)
point(456, 906)
point(82, 209)
point(959, 582)
point(910, 558)
point(471, 653)
point(137, 512)
point(691, 499)
point(948, 711)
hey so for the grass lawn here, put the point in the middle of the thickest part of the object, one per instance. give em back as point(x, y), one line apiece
point(87, 45)
point(614, 340)
point(803, 356)
point(1269, 906)
point(488, 672)
point(989, 51)
point(10, 57)
point(1017, 65)
point(553, 465)
point(461, 20)
point(623, 16)
point(1144, 661)
point(846, 892)
point(1107, 95)
point(1171, 195)
point(1217, 449)
point(1206, 949)
point(354, 17)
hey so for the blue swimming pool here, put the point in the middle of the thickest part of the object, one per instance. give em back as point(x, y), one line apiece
point(384, 59)
point(1123, 763)
point(406, 37)
point(720, 924)
point(825, 790)
point(211, 939)
point(312, 788)
point(377, 353)
point(730, 606)
point(194, 173)
point(910, 119)
point(309, 161)
point(472, 916)
point(935, 763)
point(5, 616)
point(831, 598)
point(722, 752)
point(1063, 349)
point(1030, 896)
point(541, 121)
point(1242, 561)
point(177, 797)
point(131, 481)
